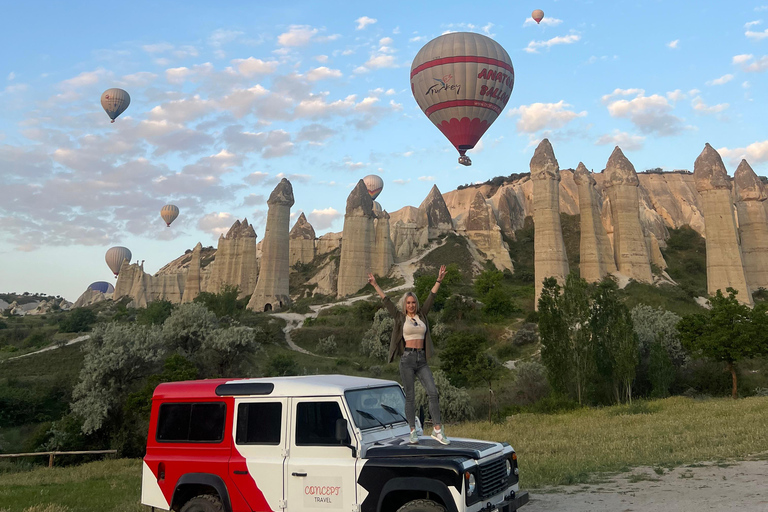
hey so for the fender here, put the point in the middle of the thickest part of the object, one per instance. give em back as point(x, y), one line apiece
point(418, 484)
point(206, 479)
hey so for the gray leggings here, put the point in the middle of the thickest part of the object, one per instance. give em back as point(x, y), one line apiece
point(414, 364)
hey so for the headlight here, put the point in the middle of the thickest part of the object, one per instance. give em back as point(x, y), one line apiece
point(509, 468)
point(471, 484)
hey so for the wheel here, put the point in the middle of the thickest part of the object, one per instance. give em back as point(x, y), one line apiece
point(203, 503)
point(421, 506)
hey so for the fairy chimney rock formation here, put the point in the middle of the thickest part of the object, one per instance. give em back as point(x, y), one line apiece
point(596, 255)
point(384, 251)
point(271, 291)
point(753, 225)
point(357, 242)
point(192, 283)
point(631, 253)
point(437, 213)
point(236, 262)
point(550, 259)
point(484, 232)
point(302, 242)
point(725, 266)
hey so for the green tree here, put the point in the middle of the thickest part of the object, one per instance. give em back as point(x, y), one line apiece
point(553, 331)
point(376, 340)
point(424, 283)
point(226, 352)
point(498, 304)
point(460, 353)
point(79, 320)
point(486, 369)
point(487, 281)
point(188, 327)
point(155, 313)
point(224, 303)
point(282, 365)
point(574, 305)
point(728, 332)
point(661, 371)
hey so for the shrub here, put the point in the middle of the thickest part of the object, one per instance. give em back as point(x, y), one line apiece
point(376, 340)
point(155, 313)
point(530, 382)
point(188, 327)
point(525, 335)
point(459, 354)
point(327, 346)
point(455, 403)
point(79, 320)
point(282, 365)
point(458, 307)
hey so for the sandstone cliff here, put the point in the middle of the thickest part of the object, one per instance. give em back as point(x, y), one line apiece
point(236, 262)
point(481, 228)
point(596, 254)
point(358, 242)
point(301, 242)
point(753, 225)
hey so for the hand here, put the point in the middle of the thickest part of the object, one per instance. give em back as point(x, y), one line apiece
point(441, 274)
point(371, 279)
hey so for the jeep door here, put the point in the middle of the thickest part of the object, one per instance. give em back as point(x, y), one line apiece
point(320, 473)
point(259, 451)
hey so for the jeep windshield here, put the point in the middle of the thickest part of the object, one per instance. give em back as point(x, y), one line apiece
point(376, 407)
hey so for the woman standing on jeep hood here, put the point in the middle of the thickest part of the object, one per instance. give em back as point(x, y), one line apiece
point(412, 342)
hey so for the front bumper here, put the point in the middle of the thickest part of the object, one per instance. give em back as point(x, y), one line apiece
point(510, 504)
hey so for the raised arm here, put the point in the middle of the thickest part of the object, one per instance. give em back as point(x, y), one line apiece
point(440, 276)
point(372, 282)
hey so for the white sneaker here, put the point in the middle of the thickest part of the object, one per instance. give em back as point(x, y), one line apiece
point(414, 437)
point(439, 436)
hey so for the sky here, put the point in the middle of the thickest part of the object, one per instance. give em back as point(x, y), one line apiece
point(227, 98)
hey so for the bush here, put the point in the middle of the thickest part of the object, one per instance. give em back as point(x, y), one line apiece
point(525, 335)
point(455, 403)
point(497, 304)
point(376, 340)
point(327, 346)
point(530, 382)
point(282, 365)
point(460, 353)
point(155, 313)
point(79, 320)
point(188, 327)
point(458, 308)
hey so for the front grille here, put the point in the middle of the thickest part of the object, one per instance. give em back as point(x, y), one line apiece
point(493, 477)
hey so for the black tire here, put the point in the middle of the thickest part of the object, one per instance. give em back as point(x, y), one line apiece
point(203, 503)
point(421, 506)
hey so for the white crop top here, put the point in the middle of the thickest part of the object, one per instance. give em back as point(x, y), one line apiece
point(414, 328)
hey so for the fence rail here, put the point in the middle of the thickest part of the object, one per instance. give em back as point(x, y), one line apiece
point(53, 454)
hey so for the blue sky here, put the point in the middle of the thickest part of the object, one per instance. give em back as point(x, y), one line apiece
point(229, 97)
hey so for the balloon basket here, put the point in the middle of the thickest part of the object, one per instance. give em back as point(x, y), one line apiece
point(465, 160)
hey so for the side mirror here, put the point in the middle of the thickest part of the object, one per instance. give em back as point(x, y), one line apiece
point(341, 430)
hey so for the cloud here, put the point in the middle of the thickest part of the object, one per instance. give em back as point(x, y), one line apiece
point(11, 76)
point(401, 181)
point(270, 144)
point(674, 44)
point(321, 58)
point(295, 177)
point(624, 140)
point(534, 46)
point(195, 73)
point(752, 23)
point(315, 133)
point(426, 178)
point(256, 178)
point(755, 153)
point(322, 73)
point(540, 116)
point(323, 219)
point(756, 36)
point(217, 223)
point(364, 21)
point(84, 79)
point(650, 114)
point(548, 21)
point(676, 95)
point(722, 80)
point(252, 66)
point(302, 35)
point(758, 66)
point(699, 106)
point(254, 200)
point(182, 111)
point(140, 79)
point(741, 59)
point(354, 166)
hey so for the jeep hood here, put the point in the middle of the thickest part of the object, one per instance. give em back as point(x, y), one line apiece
point(428, 447)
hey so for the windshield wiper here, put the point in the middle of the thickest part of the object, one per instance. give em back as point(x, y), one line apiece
point(393, 411)
point(370, 416)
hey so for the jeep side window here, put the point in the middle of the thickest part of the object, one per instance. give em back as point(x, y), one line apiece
point(259, 423)
point(316, 423)
point(191, 422)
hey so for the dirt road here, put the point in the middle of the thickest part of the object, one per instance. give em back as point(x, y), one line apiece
point(741, 486)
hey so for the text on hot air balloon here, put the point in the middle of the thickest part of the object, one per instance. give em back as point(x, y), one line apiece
point(494, 92)
point(498, 76)
point(443, 86)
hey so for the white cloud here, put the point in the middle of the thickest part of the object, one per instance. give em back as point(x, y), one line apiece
point(757, 152)
point(624, 140)
point(699, 106)
point(251, 66)
point(674, 44)
point(758, 66)
point(756, 36)
point(140, 79)
point(548, 21)
point(741, 59)
point(676, 95)
point(323, 219)
point(386, 41)
point(256, 178)
point(217, 223)
point(220, 37)
point(297, 35)
point(534, 46)
point(322, 73)
point(722, 80)
point(11, 76)
point(315, 133)
point(354, 166)
point(195, 73)
point(401, 181)
point(157, 47)
point(84, 79)
point(540, 116)
point(321, 58)
point(182, 111)
point(364, 21)
point(426, 178)
point(650, 114)
point(417, 39)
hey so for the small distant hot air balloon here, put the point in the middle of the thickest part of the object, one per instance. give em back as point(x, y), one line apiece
point(537, 15)
point(102, 286)
point(169, 213)
point(115, 257)
point(374, 184)
point(114, 102)
point(462, 82)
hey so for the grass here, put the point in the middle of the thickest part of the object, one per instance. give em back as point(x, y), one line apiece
point(569, 448)
point(103, 486)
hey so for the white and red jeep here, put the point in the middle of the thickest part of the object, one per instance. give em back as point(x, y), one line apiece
point(312, 444)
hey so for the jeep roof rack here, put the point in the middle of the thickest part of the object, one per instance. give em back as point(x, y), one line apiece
point(245, 388)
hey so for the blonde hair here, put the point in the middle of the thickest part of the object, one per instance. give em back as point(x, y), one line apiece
point(405, 298)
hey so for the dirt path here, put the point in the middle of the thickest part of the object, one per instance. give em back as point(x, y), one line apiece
point(52, 347)
point(741, 486)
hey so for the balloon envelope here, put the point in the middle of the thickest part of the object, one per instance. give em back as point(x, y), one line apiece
point(115, 257)
point(462, 82)
point(102, 286)
point(114, 102)
point(374, 184)
point(537, 15)
point(169, 213)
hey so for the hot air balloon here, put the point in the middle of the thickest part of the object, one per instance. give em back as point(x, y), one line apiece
point(374, 184)
point(115, 257)
point(537, 15)
point(462, 82)
point(169, 213)
point(102, 286)
point(114, 102)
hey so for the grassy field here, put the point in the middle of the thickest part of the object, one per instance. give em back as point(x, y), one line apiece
point(556, 449)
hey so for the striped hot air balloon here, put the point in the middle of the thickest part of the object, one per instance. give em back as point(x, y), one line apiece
point(462, 82)
point(114, 102)
point(169, 213)
point(115, 257)
point(102, 286)
point(374, 184)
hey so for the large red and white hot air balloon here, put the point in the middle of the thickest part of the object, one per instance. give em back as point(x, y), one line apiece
point(462, 82)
